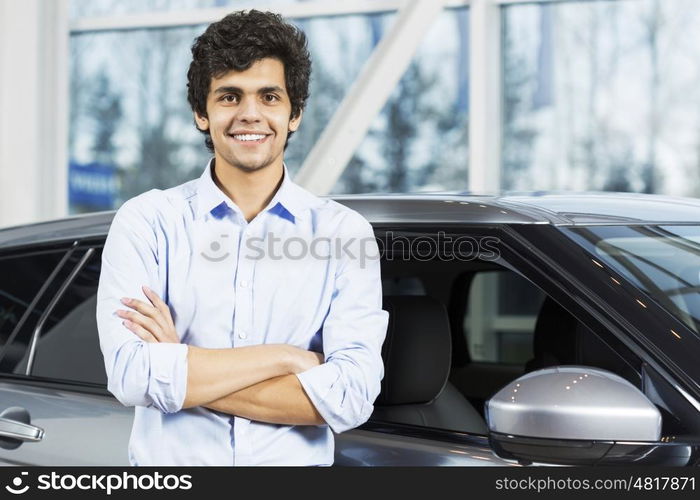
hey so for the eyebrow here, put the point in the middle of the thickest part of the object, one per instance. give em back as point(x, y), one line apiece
point(263, 90)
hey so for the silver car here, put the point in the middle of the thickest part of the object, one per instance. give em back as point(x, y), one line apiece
point(540, 329)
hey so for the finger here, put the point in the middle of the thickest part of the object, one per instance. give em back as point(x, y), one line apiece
point(142, 321)
point(140, 306)
point(147, 310)
point(159, 304)
point(139, 331)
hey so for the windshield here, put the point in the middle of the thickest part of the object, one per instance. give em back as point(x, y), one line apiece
point(663, 261)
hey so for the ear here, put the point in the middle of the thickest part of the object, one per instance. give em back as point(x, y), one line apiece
point(201, 121)
point(295, 122)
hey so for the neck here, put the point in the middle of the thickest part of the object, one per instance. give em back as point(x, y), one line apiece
point(250, 191)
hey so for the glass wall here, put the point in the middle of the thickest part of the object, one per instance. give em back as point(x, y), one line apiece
point(129, 117)
point(597, 95)
point(602, 96)
point(339, 47)
point(419, 142)
point(129, 109)
point(131, 128)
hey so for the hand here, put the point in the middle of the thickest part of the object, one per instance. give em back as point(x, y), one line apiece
point(305, 360)
point(152, 322)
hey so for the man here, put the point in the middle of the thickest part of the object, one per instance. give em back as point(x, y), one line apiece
point(216, 351)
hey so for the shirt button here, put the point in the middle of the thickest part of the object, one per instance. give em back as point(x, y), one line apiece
point(242, 335)
point(244, 284)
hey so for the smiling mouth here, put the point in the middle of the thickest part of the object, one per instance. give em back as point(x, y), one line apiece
point(249, 138)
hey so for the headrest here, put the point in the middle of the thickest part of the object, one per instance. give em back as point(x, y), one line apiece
point(560, 339)
point(555, 337)
point(417, 350)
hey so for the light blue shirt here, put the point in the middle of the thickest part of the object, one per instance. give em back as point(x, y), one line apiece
point(232, 283)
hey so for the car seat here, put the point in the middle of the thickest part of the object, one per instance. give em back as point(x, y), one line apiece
point(417, 355)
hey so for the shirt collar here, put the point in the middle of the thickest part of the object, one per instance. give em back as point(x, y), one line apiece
point(285, 203)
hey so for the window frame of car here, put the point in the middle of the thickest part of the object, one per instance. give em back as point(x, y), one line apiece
point(521, 251)
point(83, 248)
point(589, 290)
point(455, 310)
point(584, 294)
point(28, 250)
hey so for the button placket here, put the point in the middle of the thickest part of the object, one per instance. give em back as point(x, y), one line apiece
point(244, 324)
point(242, 332)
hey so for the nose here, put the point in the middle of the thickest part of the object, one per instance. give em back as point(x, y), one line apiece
point(248, 110)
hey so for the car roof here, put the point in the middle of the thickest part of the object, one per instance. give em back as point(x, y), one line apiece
point(560, 209)
point(567, 209)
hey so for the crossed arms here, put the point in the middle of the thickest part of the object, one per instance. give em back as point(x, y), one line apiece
point(256, 382)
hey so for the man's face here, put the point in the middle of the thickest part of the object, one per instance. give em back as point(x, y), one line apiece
point(249, 116)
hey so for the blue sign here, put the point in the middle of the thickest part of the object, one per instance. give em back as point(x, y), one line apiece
point(94, 185)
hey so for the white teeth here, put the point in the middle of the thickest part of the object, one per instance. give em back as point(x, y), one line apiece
point(248, 137)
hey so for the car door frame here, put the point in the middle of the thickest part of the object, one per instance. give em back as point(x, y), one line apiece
point(72, 413)
point(601, 298)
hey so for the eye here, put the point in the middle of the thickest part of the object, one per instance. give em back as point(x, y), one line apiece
point(270, 98)
point(229, 98)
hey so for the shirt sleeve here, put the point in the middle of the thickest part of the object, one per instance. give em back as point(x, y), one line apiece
point(139, 373)
point(343, 389)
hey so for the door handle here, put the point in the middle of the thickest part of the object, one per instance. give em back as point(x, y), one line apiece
point(15, 428)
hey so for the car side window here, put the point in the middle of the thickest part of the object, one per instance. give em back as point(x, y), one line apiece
point(512, 327)
point(22, 276)
point(68, 346)
point(501, 315)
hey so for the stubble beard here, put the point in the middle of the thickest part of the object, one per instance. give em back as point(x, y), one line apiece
point(247, 167)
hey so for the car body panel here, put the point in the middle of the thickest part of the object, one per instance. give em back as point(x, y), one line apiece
point(79, 428)
point(361, 448)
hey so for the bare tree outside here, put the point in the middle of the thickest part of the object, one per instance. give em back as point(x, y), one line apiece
point(625, 109)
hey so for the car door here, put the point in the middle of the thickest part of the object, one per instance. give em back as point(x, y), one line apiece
point(53, 374)
point(505, 321)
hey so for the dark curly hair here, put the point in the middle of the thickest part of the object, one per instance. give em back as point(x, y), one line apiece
point(236, 42)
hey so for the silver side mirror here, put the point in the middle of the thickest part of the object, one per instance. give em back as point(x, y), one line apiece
point(574, 402)
point(572, 415)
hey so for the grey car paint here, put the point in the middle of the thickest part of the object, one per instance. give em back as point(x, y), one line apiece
point(79, 428)
point(359, 447)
